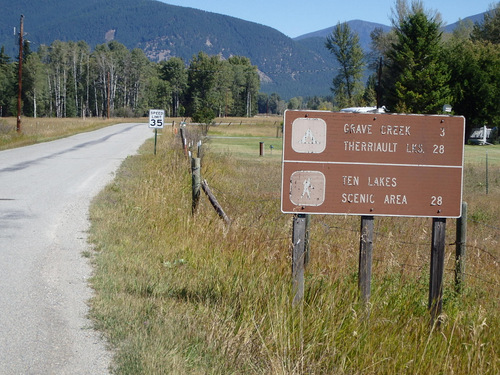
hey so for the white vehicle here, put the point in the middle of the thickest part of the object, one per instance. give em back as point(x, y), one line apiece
point(364, 109)
point(481, 136)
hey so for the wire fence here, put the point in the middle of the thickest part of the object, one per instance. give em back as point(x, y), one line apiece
point(232, 200)
point(495, 259)
point(379, 236)
point(233, 203)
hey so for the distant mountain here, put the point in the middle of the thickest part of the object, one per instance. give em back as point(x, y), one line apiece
point(289, 67)
point(365, 28)
point(362, 28)
point(477, 18)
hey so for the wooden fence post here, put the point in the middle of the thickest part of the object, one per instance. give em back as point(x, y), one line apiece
point(199, 149)
point(196, 182)
point(183, 139)
point(487, 179)
point(298, 257)
point(437, 267)
point(365, 258)
point(461, 244)
point(215, 203)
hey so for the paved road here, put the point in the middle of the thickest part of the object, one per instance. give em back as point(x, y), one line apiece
point(45, 191)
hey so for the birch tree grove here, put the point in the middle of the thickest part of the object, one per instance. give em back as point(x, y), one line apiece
point(67, 79)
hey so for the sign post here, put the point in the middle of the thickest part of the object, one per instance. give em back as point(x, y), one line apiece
point(437, 267)
point(298, 256)
point(156, 121)
point(375, 165)
point(365, 258)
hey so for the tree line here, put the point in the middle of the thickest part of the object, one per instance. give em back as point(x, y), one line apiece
point(418, 69)
point(415, 68)
point(67, 79)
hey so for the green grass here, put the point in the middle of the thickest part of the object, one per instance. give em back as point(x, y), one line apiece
point(183, 294)
point(247, 147)
point(477, 154)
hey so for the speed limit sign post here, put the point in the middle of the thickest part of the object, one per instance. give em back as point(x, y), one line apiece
point(156, 121)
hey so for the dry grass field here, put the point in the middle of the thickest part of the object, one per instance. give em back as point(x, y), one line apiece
point(178, 293)
point(35, 130)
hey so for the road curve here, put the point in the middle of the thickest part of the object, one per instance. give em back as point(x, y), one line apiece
point(45, 192)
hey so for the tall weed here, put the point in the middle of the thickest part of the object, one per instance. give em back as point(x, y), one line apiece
point(184, 294)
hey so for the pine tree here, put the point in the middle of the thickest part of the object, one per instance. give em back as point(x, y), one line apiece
point(7, 84)
point(4, 58)
point(419, 75)
point(489, 30)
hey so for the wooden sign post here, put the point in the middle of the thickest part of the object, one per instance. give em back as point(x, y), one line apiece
point(372, 165)
point(461, 252)
point(298, 256)
point(365, 258)
point(437, 267)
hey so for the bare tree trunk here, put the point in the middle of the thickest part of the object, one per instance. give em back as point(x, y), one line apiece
point(65, 93)
point(96, 101)
point(104, 92)
point(50, 96)
point(34, 102)
point(87, 104)
point(75, 82)
point(57, 92)
point(249, 102)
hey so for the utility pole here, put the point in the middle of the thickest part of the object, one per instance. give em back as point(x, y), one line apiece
point(20, 81)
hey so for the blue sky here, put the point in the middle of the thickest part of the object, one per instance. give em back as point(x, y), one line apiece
point(295, 18)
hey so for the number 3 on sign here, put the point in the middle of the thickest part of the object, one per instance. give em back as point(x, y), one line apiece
point(436, 201)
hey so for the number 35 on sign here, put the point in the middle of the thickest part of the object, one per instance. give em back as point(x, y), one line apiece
point(156, 118)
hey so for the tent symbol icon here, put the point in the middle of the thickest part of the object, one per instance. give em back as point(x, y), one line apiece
point(309, 135)
point(308, 138)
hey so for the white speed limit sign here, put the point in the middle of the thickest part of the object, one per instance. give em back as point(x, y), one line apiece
point(156, 118)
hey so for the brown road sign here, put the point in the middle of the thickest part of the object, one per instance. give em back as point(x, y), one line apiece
point(372, 164)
